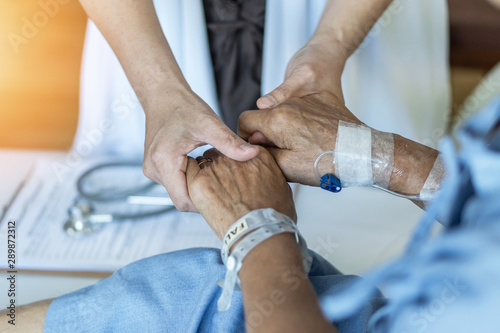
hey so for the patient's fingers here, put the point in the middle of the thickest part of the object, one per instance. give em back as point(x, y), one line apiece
point(251, 122)
point(212, 154)
point(258, 138)
point(278, 154)
point(283, 159)
point(192, 170)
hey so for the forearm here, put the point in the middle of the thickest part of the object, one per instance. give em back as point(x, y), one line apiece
point(345, 24)
point(416, 169)
point(277, 294)
point(366, 157)
point(413, 163)
point(134, 33)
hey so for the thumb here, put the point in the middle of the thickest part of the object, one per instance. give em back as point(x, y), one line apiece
point(230, 144)
point(286, 90)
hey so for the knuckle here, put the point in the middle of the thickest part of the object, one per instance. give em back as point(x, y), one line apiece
point(242, 120)
point(202, 189)
point(201, 183)
point(308, 73)
point(279, 118)
point(157, 157)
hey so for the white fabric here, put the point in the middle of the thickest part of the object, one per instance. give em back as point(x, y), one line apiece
point(397, 81)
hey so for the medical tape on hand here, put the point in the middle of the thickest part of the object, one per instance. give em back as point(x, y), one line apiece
point(363, 157)
point(431, 185)
point(382, 158)
point(248, 223)
point(352, 155)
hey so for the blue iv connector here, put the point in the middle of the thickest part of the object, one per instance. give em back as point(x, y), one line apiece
point(331, 183)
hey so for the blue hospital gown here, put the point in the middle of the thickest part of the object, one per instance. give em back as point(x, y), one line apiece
point(177, 292)
point(450, 283)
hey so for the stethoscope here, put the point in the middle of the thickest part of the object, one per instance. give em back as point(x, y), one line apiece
point(82, 216)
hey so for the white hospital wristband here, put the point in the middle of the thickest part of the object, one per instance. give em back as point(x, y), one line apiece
point(248, 223)
point(243, 248)
point(274, 224)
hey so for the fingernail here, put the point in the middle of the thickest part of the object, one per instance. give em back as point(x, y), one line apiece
point(246, 147)
point(268, 101)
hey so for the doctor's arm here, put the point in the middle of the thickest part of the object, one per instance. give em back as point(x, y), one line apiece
point(177, 120)
point(318, 66)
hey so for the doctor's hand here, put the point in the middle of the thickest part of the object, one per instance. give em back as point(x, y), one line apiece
point(313, 69)
point(177, 124)
point(297, 132)
point(224, 190)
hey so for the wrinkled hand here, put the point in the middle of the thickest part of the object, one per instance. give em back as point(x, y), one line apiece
point(297, 132)
point(174, 131)
point(313, 69)
point(224, 190)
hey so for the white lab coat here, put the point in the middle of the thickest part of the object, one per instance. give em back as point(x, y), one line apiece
point(397, 81)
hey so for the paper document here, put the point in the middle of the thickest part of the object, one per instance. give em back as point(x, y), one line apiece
point(41, 209)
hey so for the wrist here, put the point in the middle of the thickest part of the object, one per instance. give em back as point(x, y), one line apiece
point(156, 93)
point(328, 66)
point(247, 223)
point(236, 212)
point(326, 40)
point(231, 217)
point(271, 259)
point(255, 230)
point(412, 164)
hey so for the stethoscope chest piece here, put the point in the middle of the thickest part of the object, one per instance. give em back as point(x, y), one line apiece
point(79, 220)
point(118, 185)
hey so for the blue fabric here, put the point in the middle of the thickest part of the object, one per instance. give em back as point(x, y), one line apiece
point(178, 292)
point(450, 283)
point(447, 284)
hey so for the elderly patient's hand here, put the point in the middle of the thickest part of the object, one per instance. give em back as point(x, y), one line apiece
point(223, 190)
point(301, 129)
